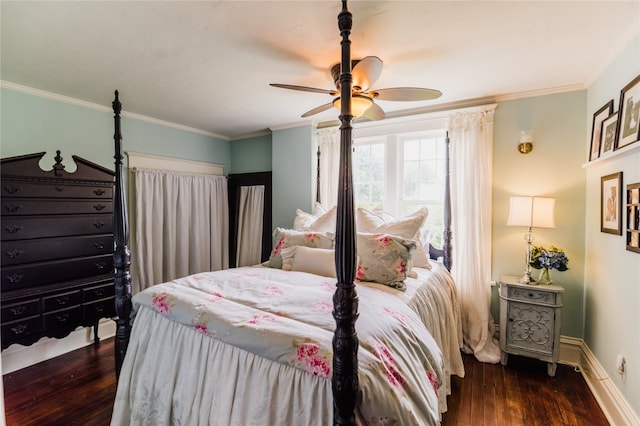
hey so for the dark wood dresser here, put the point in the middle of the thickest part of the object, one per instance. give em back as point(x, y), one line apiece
point(57, 248)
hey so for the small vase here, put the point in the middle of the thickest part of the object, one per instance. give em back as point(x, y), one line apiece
point(544, 277)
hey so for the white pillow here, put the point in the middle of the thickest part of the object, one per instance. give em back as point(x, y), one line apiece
point(312, 260)
point(320, 220)
point(408, 227)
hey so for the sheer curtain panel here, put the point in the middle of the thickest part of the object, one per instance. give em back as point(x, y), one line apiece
point(251, 208)
point(329, 145)
point(471, 136)
point(181, 226)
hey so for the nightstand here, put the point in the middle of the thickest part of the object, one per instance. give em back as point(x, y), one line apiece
point(530, 318)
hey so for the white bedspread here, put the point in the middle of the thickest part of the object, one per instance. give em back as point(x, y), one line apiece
point(253, 346)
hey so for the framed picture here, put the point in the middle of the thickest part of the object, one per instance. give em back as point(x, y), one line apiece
point(608, 134)
point(596, 128)
point(611, 203)
point(628, 130)
point(633, 217)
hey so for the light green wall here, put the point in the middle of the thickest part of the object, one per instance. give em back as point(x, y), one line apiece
point(251, 155)
point(612, 292)
point(293, 164)
point(33, 124)
point(552, 169)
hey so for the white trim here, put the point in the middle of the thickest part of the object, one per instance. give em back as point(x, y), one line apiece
point(613, 404)
point(16, 357)
point(156, 162)
point(97, 107)
point(541, 92)
point(291, 125)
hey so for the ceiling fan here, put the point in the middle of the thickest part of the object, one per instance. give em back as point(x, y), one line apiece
point(365, 73)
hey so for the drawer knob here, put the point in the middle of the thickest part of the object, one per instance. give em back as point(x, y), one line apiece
point(18, 310)
point(14, 253)
point(99, 292)
point(63, 300)
point(15, 278)
point(12, 229)
point(62, 317)
point(12, 189)
point(100, 265)
point(99, 245)
point(99, 191)
point(530, 294)
point(12, 208)
point(19, 329)
point(98, 224)
point(99, 207)
point(59, 188)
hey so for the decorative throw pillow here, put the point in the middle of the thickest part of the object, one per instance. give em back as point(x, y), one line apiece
point(307, 259)
point(383, 258)
point(320, 220)
point(408, 227)
point(289, 237)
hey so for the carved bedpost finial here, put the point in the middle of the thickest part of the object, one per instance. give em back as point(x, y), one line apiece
point(58, 168)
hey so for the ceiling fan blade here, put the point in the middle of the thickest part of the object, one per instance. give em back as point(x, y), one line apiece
point(366, 71)
point(304, 88)
point(374, 113)
point(406, 94)
point(319, 109)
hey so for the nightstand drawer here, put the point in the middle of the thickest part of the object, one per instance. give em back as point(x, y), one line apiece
point(532, 295)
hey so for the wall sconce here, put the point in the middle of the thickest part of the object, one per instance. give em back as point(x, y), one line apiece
point(526, 142)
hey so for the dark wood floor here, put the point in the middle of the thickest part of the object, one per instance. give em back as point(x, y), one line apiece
point(78, 389)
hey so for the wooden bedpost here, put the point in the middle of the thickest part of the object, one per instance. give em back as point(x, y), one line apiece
point(446, 240)
point(345, 300)
point(121, 254)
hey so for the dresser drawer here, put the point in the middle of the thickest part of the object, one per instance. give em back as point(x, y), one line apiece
point(63, 320)
point(532, 295)
point(104, 308)
point(61, 301)
point(19, 188)
point(98, 292)
point(20, 310)
point(29, 251)
point(28, 227)
point(36, 274)
point(23, 207)
point(15, 330)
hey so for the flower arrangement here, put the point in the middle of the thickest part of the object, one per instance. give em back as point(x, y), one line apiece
point(545, 259)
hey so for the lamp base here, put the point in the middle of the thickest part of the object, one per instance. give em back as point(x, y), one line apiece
point(528, 279)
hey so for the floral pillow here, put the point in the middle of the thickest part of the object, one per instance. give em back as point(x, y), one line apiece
point(288, 237)
point(383, 258)
point(320, 220)
point(408, 227)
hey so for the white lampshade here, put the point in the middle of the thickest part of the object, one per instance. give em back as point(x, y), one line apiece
point(535, 212)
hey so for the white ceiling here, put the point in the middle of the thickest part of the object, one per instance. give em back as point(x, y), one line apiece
point(208, 64)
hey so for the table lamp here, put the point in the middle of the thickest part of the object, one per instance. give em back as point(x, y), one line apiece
point(531, 212)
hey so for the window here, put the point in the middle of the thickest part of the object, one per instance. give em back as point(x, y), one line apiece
point(401, 173)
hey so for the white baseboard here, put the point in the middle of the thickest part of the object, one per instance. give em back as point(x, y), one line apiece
point(16, 357)
point(614, 405)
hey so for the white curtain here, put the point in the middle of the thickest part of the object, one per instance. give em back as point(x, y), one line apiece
point(181, 226)
point(251, 208)
point(471, 150)
point(329, 145)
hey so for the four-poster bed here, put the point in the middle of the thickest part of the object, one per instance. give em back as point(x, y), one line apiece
point(253, 327)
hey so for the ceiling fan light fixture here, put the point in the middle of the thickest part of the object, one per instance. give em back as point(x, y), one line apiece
point(359, 104)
